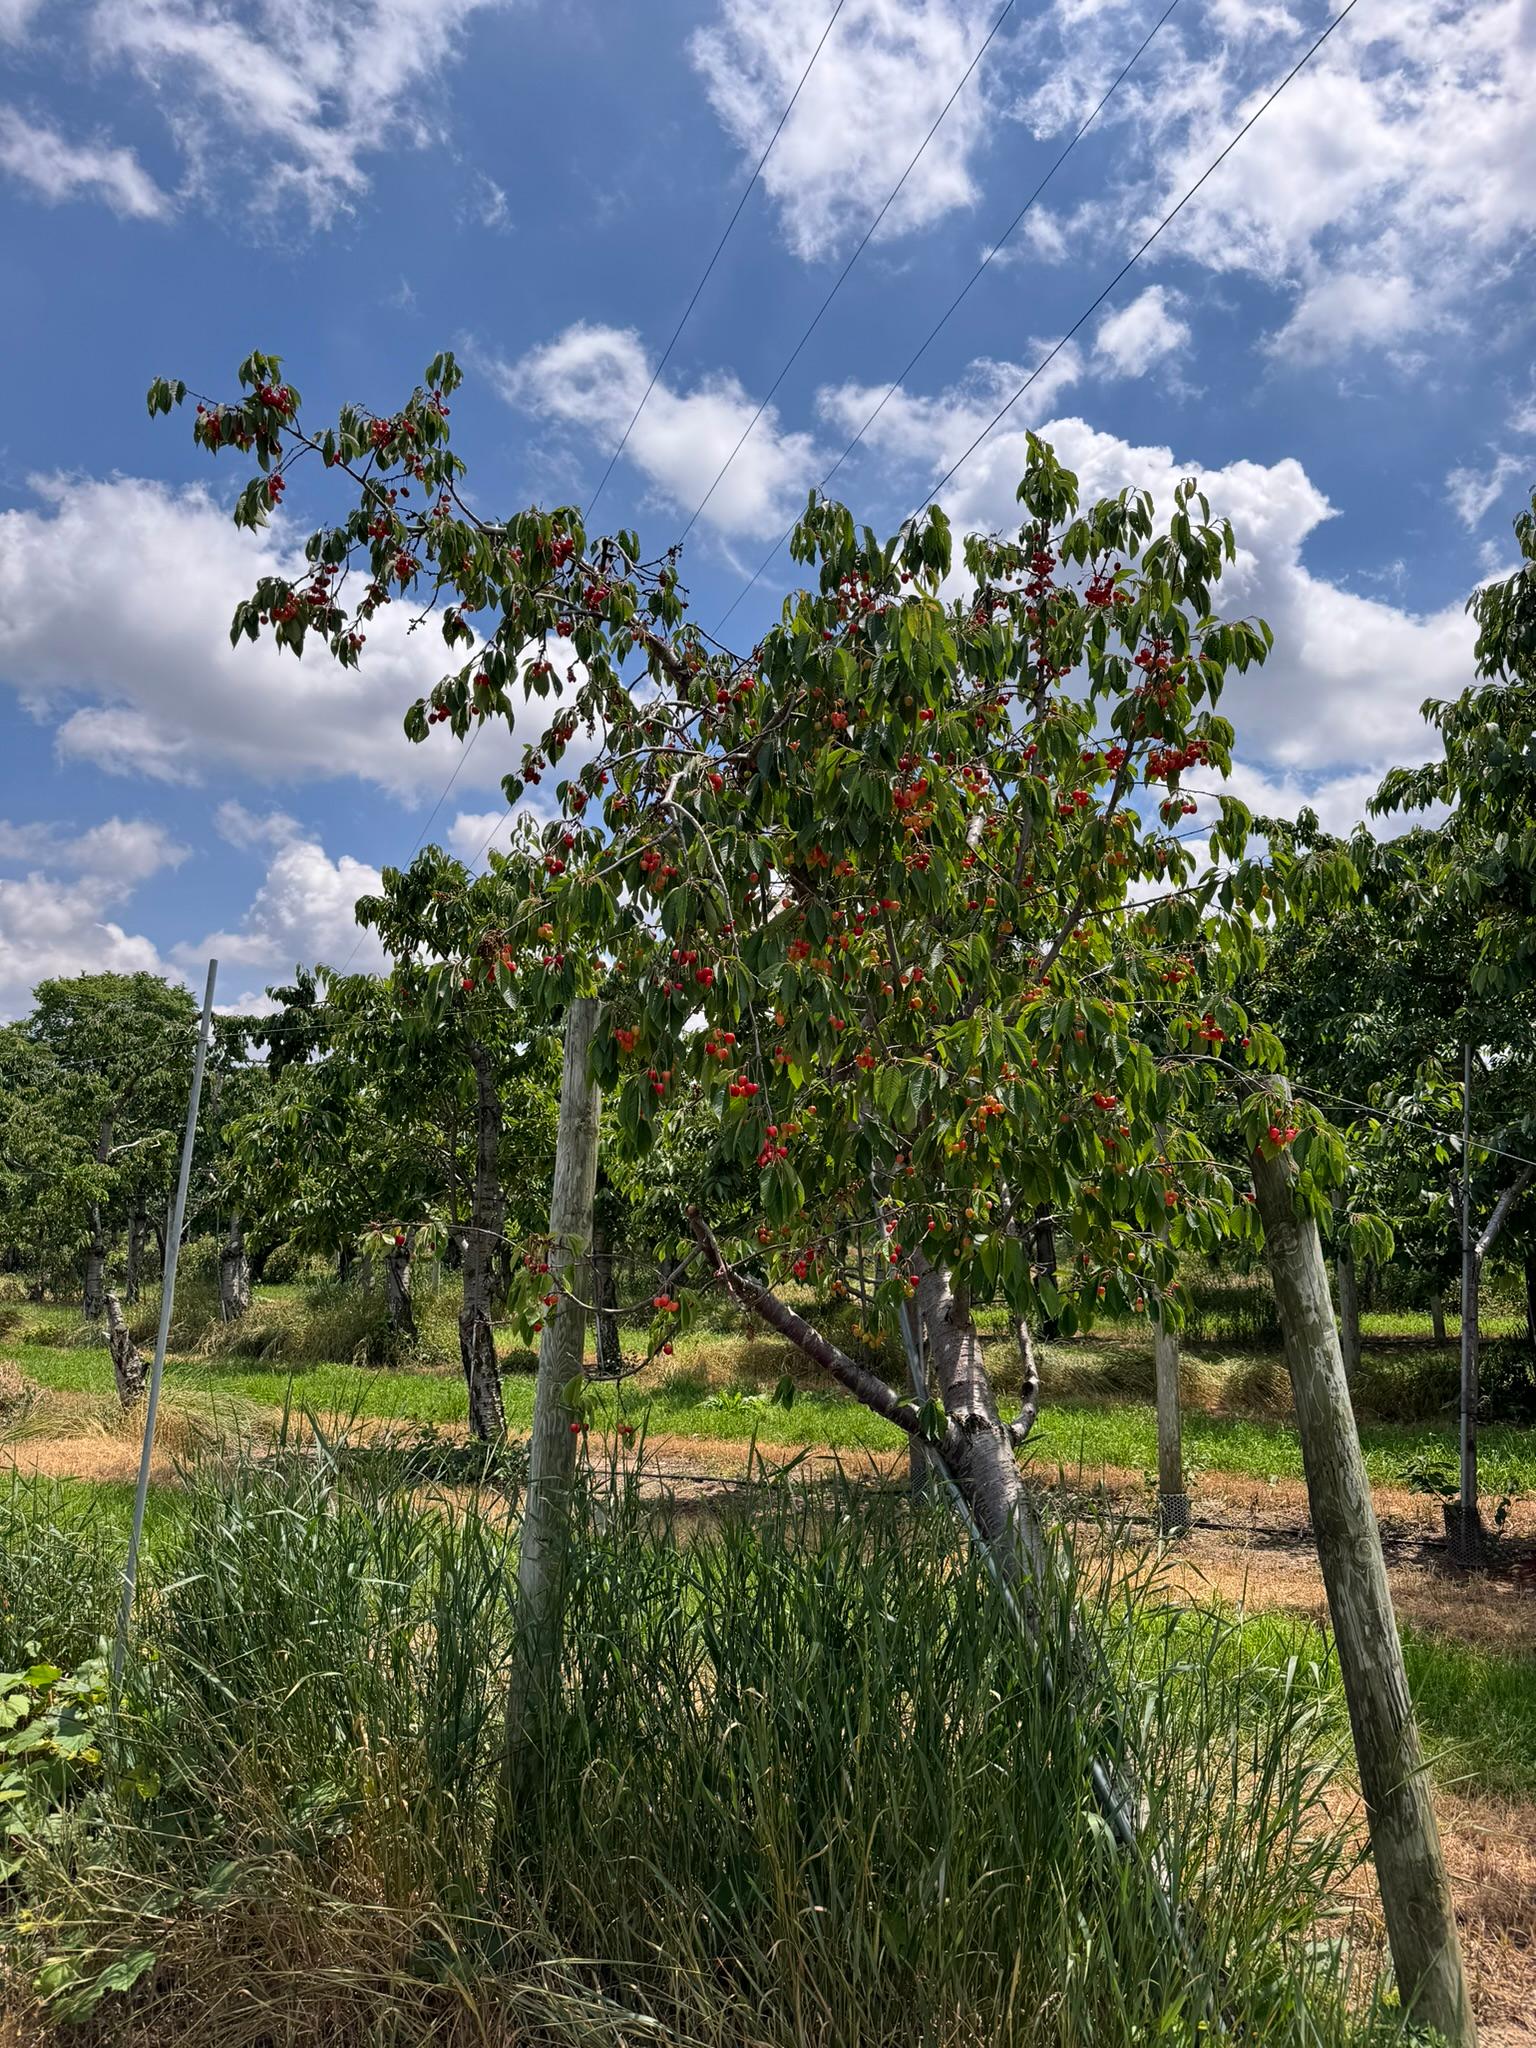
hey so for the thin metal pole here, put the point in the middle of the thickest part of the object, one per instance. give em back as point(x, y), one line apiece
point(167, 1296)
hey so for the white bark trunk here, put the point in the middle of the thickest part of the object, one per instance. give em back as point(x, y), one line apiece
point(234, 1272)
point(397, 1289)
point(128, 1368)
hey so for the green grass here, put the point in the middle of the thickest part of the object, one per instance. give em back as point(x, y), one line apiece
point(797, 1779)
point(1476, 1707)
point(1125, 1434)
point(1096, 1412)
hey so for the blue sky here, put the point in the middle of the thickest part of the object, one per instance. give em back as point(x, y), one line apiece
point(1336, 336)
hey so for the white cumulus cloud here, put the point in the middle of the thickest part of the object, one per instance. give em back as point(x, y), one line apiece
point(875, 90)
point(1388, 190)
point(301, 912)
point(1136, 337)
point(290, 97)
point(136, 673)
point(57, 167)
point(591, 378)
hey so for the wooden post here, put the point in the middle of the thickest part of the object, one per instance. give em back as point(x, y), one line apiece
point(552, 1451)
point(1469, 1526)
point(1172, 1500)
point(1405, 1840)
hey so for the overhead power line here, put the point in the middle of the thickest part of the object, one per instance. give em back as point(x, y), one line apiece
point(964, 292)
point(1132, 260)
point(624, 438)
point(714, 259)
point(815, 320)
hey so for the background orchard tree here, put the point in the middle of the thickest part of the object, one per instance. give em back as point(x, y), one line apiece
point(453, 1025)
point(1482, 867)
point(116, 1053)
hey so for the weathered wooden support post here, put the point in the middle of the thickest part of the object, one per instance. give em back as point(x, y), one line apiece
point(1405, 1839)
point(552, 1451)
point(1172, 1500)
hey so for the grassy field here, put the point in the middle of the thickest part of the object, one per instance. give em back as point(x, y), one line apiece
point(316, 1692)
point(717, 1389)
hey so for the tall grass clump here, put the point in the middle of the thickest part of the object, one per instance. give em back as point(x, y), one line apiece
point(801, 1781)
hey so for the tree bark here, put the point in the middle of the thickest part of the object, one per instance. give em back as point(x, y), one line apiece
point(345, 1254)
point(1405, 1841)
point(234, 1272)
point(397, 1286)
point(94, 1291)
point(128, 1369)
point(1172, 1500)
point(610, 1356)
point(1437, 1316)
point(552, 1452)
point(1045, 1261)
point(138, 1232)
point(977, 1446)
point(477, 1340)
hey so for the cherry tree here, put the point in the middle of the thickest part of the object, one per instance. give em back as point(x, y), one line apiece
point(904, 898)
point(916, 866)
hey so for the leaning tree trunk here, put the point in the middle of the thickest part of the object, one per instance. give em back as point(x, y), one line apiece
point(397, 1286)
point(1405, 1840)
point(552, 1451)
point(138, 1233)
point(128, 1369)
point(978, 1448)
point(477, 1340)
point(234, 1273)
point(974, 1453)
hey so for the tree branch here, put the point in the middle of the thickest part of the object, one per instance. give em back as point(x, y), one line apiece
point(794, 1329)
point(1501, 1209)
